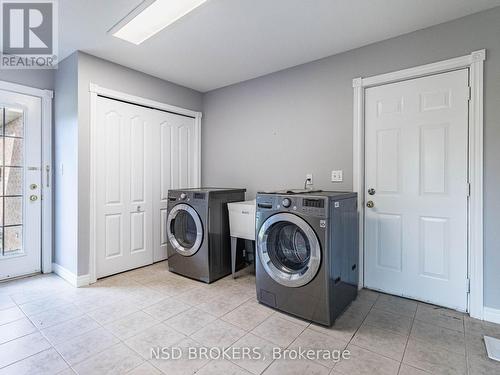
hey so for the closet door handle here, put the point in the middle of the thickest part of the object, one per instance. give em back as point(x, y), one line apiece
point(47, 172)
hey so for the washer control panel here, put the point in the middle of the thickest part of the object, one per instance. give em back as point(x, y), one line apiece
point(315, 206)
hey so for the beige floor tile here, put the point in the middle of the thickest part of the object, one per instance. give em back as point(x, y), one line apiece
point(15, 329)
point(43, 304)
point(184, 365)
point(409, 370)
point(131, 325)
point(378, 325)
point(440, 317)
point(296, 367)
point(197, 296)
point(145, 369)
point(118, 359)
point(86, 345)
point(10, 314)
point(386, 320)
point(170, 287)
point(166, 309)
point(190, 321)
point(154, 338)
point(344, 327)
point(221, 367)
point(474, 342)
point(218, 334)
point(67, 371)
point(48, 362)
point(111, 313)
point(279, 331)
point(396, 305)
point(222, 305)
point(433, 358)
point(49, 318)
point(88, 302)
point(448, 339)
point(364, 362)
point(381, 341)
point(317, 341)
point(248, 315)
point(293, 319)
point(256, 362)
point(481, 326)
point(482, 365)
point(29, 294)
point(145, 297)
point(367, 295)
point(359, 307)
point(70, 329)
point(6, 302)
point(21, 348)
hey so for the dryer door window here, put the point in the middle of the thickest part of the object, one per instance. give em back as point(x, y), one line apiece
point(184, 229)
point(289, 250)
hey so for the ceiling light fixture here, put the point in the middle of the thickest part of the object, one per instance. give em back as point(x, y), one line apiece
point(150, 17)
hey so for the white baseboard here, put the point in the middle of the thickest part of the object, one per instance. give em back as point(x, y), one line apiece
point(70, 277)
point(491, 315)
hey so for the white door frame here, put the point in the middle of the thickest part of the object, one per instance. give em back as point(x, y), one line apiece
point(46, 97)
point(475, 63)
point(95, 91)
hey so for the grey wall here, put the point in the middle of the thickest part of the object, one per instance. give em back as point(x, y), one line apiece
point(66, 163)
point(267, 133)
point(39, 78)
point(116, 77)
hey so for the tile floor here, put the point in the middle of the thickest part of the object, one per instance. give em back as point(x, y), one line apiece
point(49, 327)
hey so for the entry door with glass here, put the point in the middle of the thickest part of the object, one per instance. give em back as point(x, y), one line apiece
point(20, 184)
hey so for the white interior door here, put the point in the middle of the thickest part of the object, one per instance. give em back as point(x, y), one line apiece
point(141, 153)
point(20, 184)
point(176, 145)
point(124, 230)
point(416, 164)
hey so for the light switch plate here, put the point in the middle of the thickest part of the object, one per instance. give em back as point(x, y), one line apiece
point(337, 176)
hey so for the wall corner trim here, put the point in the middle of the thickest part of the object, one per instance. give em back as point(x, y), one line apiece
point(479, 55)
point(70, 277)
point(357, 82)
point(492, 315)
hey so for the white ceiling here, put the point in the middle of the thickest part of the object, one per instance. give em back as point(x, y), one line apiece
point(229, 41)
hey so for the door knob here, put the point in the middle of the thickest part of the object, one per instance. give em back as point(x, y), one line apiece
point(33, 198)
point(370, 204)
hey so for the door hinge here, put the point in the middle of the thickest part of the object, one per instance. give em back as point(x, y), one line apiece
point(470, 93)
point(467, 285)
point(468, 189)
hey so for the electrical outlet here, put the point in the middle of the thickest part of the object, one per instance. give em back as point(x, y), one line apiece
point(309, 178)
point(337, 176)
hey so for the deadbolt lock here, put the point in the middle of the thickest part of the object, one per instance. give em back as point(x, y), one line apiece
point(371, 191)
point(370, 204)
point(33, 186)
point(33, 198)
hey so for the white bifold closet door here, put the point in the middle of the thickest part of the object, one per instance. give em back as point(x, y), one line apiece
point(140, 154)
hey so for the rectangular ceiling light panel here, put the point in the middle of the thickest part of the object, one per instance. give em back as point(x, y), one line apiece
point(144, 22)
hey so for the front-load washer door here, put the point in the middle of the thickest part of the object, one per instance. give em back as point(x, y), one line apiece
point(184, 229)
point(289, 250)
